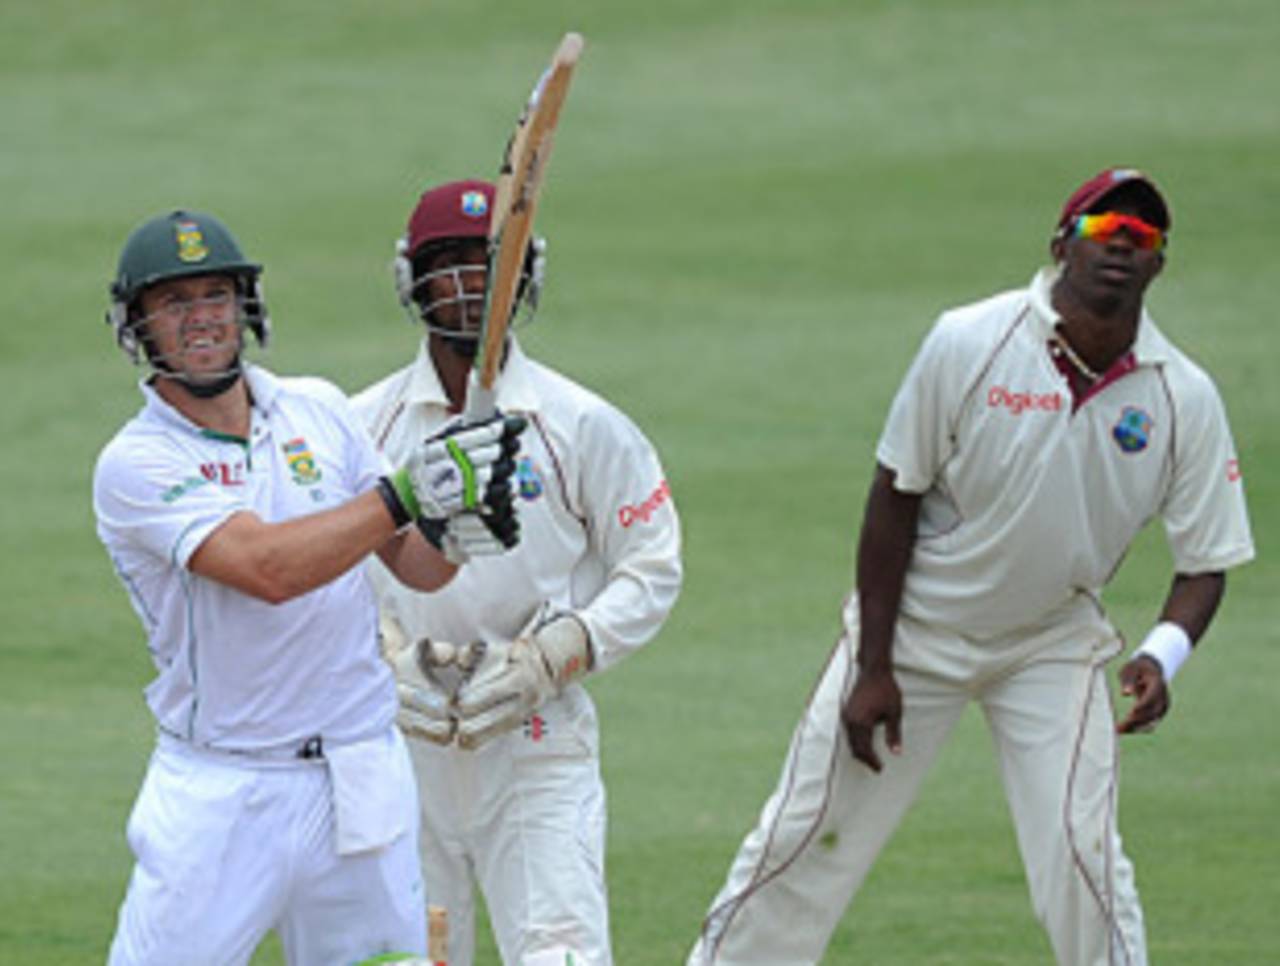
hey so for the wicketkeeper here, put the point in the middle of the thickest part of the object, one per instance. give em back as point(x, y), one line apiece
point(502, 733)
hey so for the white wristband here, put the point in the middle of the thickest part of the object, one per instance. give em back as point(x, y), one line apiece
point(1169, 645)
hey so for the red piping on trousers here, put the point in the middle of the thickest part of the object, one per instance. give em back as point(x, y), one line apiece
point(733, 905)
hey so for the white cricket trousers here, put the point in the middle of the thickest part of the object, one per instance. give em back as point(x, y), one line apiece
point(524, 818)
point(228, 849)
point(1046, 702)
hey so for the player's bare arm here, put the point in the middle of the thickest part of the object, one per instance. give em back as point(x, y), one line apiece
point(415, 562)
point(1193, 600)
point(277, 562)
point(884, 550)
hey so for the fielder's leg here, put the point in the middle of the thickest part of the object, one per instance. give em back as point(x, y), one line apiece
point(824, 825)
point(1055, 733)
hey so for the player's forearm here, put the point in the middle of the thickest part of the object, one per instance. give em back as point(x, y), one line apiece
point(884, 552)
point(276, 562)
point(1193, 600)
point(414, 562)
point(631, 608)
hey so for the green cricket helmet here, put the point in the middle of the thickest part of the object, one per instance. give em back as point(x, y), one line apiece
point(177, 245)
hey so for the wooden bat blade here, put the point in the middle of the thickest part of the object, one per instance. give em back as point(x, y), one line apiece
point(518, 185)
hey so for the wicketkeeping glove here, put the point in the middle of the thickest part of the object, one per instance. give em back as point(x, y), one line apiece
point(424, 698)
point(459, 469)
point(541, 662)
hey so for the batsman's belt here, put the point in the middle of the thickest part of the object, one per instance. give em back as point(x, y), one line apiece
point(309, 751)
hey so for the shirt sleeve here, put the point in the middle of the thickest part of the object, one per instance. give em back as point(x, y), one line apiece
point(158, 501)
point(633, 522)
point(1205, 516)
point(916, 440)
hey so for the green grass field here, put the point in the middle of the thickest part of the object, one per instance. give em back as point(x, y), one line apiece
point(755, 211)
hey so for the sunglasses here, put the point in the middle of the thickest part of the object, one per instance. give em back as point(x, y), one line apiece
point(1104, 227)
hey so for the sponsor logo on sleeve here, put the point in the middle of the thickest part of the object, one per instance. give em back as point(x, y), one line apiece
point(1000, 397)
point(1132, 432)
point(302, 464)
point(179, 490)
point(629, 514)
point(1233, 471)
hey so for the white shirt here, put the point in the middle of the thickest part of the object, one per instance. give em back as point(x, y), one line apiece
point(599, 531)
point(1027, 503)
point(235, 672)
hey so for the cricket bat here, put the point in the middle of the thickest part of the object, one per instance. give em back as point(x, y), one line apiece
point(524, 165)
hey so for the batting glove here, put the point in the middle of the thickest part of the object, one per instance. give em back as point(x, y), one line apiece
point(460, 469)
point(539, 665)
point(493, 530)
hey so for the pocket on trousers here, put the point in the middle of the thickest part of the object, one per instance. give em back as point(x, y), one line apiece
point(564, 727)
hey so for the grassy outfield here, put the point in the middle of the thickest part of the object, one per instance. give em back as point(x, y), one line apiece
point(755, 211)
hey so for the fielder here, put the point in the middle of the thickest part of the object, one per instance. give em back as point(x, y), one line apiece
point(508, 766)
point(1034, 435)
point(236, 506)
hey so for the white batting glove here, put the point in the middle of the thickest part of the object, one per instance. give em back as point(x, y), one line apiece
point(464, 536)
point(539, 665)
point(460, 469)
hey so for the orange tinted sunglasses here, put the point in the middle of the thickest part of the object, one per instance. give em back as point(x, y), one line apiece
point(1103, 227)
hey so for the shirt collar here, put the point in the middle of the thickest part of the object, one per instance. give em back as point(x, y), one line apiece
point(1150, 347)
point(515, 387)
point(264, 388)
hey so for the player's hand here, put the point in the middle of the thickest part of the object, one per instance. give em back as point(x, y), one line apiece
point(425, 700)
point(488, 533)
point(540, 663)
point(463, 468)
point(1142, 678)
point(875, 700)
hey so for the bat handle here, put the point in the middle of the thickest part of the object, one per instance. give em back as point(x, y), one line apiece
point(481, 403)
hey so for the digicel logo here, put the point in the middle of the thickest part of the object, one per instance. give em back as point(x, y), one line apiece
point(628, 514)
point(1020, 402)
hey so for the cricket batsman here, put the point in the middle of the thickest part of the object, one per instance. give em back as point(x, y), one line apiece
point(237, 507)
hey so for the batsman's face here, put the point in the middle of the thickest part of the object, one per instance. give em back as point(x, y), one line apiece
point(451, 291)
point(193, 325)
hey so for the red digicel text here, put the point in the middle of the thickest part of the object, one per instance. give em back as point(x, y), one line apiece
point(1020, 402)
point(628, 514)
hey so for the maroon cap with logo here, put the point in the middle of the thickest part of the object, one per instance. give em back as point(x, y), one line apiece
point(1105, 182)
point(459, 209)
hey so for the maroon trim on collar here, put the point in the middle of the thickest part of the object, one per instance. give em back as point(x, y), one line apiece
point(1081, 388)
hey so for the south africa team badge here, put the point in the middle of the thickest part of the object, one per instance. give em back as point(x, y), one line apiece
point(191, 246)
point(302, 464)
point(1133, 431)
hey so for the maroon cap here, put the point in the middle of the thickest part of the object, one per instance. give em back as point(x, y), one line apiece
point(1105, 182)
point(459, 209)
